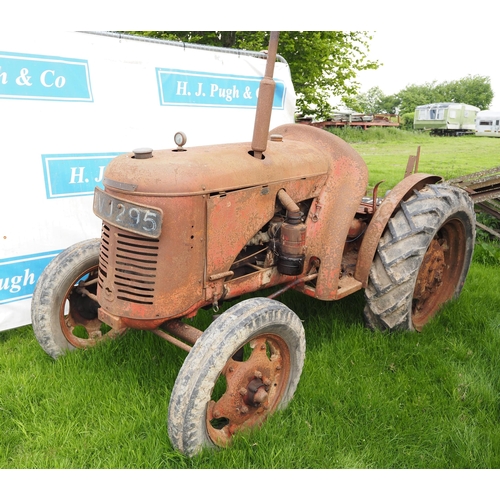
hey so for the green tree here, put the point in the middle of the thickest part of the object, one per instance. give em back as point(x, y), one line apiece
point(322, 63)
point(416, 95)
point(474, 90)
point(372, 102)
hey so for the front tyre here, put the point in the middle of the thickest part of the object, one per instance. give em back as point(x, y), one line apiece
point(422, 259)
point(64, 304)
point(245, 366)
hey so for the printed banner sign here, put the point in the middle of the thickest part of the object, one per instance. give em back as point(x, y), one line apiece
point(74, 174)
point(24, 76)
point(70, 102)
point(18, 275)
point(189, 88)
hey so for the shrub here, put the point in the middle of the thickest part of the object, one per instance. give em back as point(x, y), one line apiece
point(406, 121)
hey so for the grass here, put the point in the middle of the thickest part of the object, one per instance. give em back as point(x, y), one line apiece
point(366, 399)
point(386, 153)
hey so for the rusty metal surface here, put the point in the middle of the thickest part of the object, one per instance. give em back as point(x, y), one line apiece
point(484, 189)
point(332, 211)
point(210, 169)
point(481, 186)
point(440, 272)
point(382, 216)
point(265, 101)
point(255, 384)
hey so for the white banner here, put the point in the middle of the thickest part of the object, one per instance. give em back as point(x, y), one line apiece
point(70, 102)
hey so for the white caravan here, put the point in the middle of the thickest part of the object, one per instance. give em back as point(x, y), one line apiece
point(488, 123)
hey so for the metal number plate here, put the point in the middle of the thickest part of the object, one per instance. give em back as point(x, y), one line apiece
point(138, 219)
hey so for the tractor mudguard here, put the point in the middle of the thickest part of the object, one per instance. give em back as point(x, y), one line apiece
point(401, 191)
point(334, 208)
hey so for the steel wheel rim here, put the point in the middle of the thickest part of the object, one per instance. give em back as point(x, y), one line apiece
point(80, 325)
point(254, 388)
point(440, 272)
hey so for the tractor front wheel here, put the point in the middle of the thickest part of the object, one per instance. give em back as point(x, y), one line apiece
point(64, 304)
point(422, 259)
point(246, 365)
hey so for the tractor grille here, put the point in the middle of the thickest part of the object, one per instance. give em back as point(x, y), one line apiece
point(135, 265)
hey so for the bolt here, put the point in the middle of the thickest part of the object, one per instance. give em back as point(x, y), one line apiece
point(216, 414)
point(263, 347)
point(244, 410)
point(257, 374)
point(260, 396)
point(231, 369)
point(243, 391)
point(278, 367)
point(266, 381)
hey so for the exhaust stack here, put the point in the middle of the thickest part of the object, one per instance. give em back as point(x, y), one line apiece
point(265, 101)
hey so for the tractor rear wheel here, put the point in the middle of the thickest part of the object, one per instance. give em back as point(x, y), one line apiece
point(422, 259)
point(64, 304)
point(246, 365)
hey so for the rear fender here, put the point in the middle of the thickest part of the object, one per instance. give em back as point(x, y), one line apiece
point(332, 211)
point(401, 191)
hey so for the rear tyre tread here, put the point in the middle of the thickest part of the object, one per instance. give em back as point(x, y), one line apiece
point(401, 250)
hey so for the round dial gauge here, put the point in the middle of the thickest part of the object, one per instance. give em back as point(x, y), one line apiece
point(180, 139)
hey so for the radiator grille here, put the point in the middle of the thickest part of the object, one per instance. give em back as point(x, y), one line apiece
point(135, 265)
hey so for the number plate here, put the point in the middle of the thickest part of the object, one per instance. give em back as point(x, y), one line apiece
point(139, 219)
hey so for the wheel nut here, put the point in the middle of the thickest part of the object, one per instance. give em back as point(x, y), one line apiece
point(260, 396)
point(257, 374)
point(244, 410)
point(266, 381)
point(243, 391)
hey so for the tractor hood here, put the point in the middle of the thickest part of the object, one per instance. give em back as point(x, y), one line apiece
point(293, 152)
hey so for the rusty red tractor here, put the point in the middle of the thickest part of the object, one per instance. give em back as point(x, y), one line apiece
point(189, 228)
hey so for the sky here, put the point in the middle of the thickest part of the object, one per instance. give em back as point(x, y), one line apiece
point(423, 59)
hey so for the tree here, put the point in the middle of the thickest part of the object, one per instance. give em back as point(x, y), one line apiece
point(474, 90)
point(322, 63)
point(372, 102)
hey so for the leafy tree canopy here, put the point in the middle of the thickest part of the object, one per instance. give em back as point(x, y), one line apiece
point(372, 102)
point(474, 90)
point(322, 63)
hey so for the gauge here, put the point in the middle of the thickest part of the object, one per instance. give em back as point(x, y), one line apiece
point(180, 139)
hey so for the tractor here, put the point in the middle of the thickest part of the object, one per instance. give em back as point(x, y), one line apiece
point(187, 229)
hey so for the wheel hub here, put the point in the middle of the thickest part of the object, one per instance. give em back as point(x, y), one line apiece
point(254, 388)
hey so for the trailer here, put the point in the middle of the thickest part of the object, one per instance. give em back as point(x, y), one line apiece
point(446, 118)
point(488, 123)
point(356, 120)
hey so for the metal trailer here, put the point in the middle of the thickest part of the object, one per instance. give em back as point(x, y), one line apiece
point(488, 123)
point(446, 118)
point(484, 190)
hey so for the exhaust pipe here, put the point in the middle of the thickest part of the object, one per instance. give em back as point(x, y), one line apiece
point(265, 101)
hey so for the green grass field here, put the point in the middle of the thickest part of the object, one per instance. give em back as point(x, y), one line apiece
point(365, 400)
